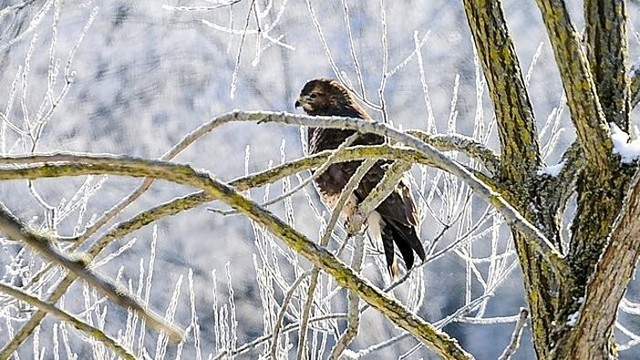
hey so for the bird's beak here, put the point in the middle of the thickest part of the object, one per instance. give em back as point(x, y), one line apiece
point(298, 103)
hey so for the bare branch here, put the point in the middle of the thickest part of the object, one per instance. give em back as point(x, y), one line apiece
point(342, 201)
point(14, 228)
point(77, 323)
point(185, 142)
point(382, 190)
point(283, 310)
point(435, 158)
point(511, 215)
point(353, 311)
point(463, 144)
point(514, 344)
point(438, 341)
point(519, 148)
point(343, 275)
point(317, 172)
point(579, 86)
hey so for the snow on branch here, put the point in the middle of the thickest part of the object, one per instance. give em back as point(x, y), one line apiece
point(628, 150)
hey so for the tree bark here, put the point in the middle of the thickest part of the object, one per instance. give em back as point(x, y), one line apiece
point(572, 315)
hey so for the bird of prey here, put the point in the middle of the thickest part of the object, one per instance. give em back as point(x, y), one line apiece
point(395, 220)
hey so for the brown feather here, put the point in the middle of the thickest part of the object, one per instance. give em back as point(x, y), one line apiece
point(397, 213)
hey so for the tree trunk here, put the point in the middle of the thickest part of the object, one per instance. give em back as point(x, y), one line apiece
point(572, 314)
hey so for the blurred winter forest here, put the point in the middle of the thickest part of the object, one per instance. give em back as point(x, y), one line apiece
point(135, 77)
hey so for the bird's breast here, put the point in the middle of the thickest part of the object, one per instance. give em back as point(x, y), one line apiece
point(331, 200)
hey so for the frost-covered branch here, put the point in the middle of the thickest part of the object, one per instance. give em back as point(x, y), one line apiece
point(352, 184)
point(514, 344)
point(283, 310)
point(176, 205)
point(392, 176)
point(185, 142)
point(16, 230)
point(353, 311)
point(463, 144)
point(435, 158)
point(440, 160)
point(63, 315)
point(259, 340)
point(343, 275)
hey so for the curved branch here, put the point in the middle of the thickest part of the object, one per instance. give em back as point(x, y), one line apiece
point(131, 167)
point(513, 218)
point(344, 276)
point(463, 144)
point(15, 229)
point(438, 341)
point(77, 323)
point(66, 162)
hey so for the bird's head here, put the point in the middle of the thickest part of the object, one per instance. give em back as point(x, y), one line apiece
point(325, 97)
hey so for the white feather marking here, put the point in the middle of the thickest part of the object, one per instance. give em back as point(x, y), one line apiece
point(348, 209)
point(315, 136)
point(374, 229)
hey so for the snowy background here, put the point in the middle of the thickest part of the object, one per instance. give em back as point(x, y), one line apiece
point(146, 73)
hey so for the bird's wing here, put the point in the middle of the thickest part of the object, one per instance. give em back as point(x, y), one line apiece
point(398, 206)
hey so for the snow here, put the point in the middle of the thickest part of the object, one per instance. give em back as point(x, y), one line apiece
point(628, 150)
point(552, 170)
point(573, 319)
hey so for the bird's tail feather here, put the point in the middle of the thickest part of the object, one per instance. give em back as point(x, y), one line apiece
point(407, 241)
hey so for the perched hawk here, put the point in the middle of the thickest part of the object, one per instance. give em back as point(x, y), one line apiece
point(395, 220)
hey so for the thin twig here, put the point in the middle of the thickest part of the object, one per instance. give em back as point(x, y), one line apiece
point(344, 196)
point(283, 312)
point(259, 340)
point(63, 315)
point(14, 228)
point(353, 312)
point(515, 337)
point(330, 160)
point(382, 190)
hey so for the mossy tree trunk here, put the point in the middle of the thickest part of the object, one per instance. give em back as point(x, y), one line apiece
point(573, 313)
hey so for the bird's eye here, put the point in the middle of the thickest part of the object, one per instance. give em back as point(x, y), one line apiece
point(313, 95)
